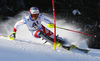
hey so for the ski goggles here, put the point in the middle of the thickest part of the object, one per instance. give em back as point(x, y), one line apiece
point(34, 15)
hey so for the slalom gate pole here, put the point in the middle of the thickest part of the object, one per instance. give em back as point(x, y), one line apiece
point(54, 25)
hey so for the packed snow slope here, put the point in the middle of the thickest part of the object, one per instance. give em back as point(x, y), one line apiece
point(28, 48)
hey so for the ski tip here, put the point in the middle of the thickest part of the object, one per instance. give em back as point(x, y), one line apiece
point(88, 52)
point(95, 36)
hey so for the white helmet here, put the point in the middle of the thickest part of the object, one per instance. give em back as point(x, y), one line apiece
point(34, 10)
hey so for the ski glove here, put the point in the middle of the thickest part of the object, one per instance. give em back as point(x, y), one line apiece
point(50, 25)
point(12, 36)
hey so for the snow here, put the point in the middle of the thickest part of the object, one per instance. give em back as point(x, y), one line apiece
point(28, 48)
point(24, 51)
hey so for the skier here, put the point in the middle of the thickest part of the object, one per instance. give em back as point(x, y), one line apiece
point(33, 22)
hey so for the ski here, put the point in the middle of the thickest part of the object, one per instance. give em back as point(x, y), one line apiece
point(74, 47)
point(84, 50)
point(65, 47)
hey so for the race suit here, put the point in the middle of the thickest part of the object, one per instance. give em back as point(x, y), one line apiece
point(34, 26)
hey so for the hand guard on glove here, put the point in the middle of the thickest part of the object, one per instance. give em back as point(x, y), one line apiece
point(12, 36)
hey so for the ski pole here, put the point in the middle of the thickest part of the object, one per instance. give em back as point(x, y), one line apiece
point(52, 26)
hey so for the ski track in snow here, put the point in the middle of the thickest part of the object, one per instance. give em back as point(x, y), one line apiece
point(27, 48)
point(18, 51)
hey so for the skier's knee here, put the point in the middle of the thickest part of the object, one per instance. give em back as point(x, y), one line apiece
point(36, 34)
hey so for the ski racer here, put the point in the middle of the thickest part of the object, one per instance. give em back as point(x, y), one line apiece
point(33, 22)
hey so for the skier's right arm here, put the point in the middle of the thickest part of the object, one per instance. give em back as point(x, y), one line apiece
point(21, 22)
